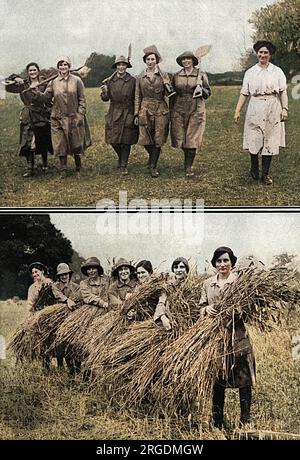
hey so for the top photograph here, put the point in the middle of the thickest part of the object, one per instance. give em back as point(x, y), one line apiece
point(135, 101)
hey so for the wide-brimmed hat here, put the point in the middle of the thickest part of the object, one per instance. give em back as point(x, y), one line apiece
point(63, 269)
point(121, 59)
point(92, 262)
point(39, 266)
point(269, 45)
point(220, 251)
point(121, 262)
point(64, 59)
point(188, 54)
point(151, 50)
point(178, 260)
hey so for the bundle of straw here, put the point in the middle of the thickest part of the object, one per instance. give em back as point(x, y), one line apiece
point(133, 361)
point(35, 336)
point(72, 332)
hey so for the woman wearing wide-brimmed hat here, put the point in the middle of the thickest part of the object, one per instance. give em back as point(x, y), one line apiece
point(120, 130)
point(66, 286)
point(188, 114)
point(123, 284)
point(240, 363)
point(151, 107)
point(264, 132)
point(35, 134)
point(69, 129)
point(94, 288)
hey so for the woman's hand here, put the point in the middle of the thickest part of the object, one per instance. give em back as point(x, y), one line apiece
point(70, 304)
point(237, 116)
point(166, 323)
point(19, 81)
point(211, 311)
point(284, 114)
point(131, 314)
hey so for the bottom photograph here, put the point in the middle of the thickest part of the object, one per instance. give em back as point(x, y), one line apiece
point(148, 325)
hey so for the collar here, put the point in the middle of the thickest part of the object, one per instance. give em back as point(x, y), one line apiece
point(60, 77)
point(194, 72)
point(130, 283)
point(269, 68)
point(230, 280)
point(95, 282)
point(126, 77)
point(144, 74)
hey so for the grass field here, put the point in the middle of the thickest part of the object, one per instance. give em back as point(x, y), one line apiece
point(222, 168)
point(38, 406)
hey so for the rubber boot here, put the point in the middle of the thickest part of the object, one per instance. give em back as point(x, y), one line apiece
point(124, 159)
point(218, 405)
point(245, 404)
point(190, 156)
point(117, 149)
point(266, 163)
point(254, 171)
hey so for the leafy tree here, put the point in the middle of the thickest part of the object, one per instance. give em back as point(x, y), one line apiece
point(279, 23)
point(23, 240)
point(100, 69)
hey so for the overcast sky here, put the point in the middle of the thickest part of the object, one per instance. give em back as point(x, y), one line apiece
point(194, 237)
point(40, 30)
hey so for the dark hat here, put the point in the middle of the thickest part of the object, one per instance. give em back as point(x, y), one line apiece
point(146, 264)
point(39, 266)
point(92, 262)
point(121, 263)
point(178, 260)
point(269, 45)
point(188, 54)
point(121, 59)
point(63, 269)
point(220, 251)
point(152, 50)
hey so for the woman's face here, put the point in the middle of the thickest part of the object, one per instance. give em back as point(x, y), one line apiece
point(32, 72)
point(121, 68)
point(92, 272)
point(142, 274)
point(63, 68)
point(151, 61)
point(223, 264)
point(124, 273)
point(64, 278)
point(37, 274)
point(180, 271)
point(187, 62)
point(263, 55)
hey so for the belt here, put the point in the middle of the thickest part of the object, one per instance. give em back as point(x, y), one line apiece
point(265, 96)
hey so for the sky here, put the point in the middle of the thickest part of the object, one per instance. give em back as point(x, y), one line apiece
point(41, 30)
point(138, 236)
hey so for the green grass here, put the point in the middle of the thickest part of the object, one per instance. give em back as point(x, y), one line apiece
point(222, 167)
point(38, 406)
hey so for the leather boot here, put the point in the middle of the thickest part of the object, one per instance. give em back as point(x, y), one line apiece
point(124, 159)
point(245, 404)
point(153, 161)
point(218, 405)
point(266, 163)
point(254, 167)
point(63, 166)
point(190, 156)
point(30, 165)
point(77, 159)
point(117, 149)
point(149, 149)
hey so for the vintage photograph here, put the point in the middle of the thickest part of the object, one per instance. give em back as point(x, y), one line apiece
point(135, 326)
point(182, 99)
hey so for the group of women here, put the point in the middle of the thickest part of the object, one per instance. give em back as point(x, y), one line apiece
point(145, 108)
point(109, 293)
